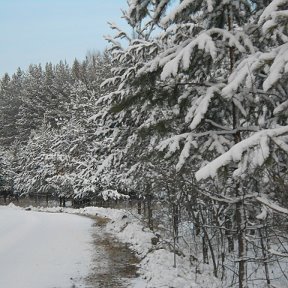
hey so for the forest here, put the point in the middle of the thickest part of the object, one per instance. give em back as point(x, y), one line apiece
point(187, 116)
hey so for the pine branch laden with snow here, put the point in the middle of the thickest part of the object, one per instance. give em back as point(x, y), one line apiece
point(121, 34)
point(191, 145)
point(250, 66)
point(271, 205)
point(199, 108)
point(180, 59)
point(112, 194)
point(257, 144)
point(183, 56)
point(162, 5)
point(273, 15)
point(137, 10)
point(172, 144)
point(115, 44)
point(129, 62)
point(184, 6)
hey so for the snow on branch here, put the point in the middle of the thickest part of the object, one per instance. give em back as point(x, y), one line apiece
point(120, 34)
point(116, 44)
point(183, 58)
point(276, 253)
point(281, 144)
point(270, 10)
point(106, 164)
point(160, 7)
point(185, 153)
point(173, 144)
point(259, 142)
point(280, 108)
point(272, 24)
point(199, 109)
point(162, 59)
point(204, 41)
point(244, 73)
point(136, 7)
point(226, 35)
point(241, 73)
point(226, 199)
point(110, 81)
point(278, 68)
point(180, 9)
point(112, 194)
point(272, 205)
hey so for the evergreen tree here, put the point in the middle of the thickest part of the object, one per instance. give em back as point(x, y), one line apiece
point(10, 101)
point(207, 71)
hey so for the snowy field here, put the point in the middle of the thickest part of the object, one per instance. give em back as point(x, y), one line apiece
point(43, 250)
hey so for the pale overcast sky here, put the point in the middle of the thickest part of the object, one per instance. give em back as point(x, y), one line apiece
point(40, 31)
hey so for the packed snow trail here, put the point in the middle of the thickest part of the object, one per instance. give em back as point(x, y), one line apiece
point(44, 250)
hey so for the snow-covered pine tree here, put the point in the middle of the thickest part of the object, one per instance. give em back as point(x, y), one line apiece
point(33, 103)
point(6, 175)
point(10, 101)
point(66, 145)
point(209, 55)
point(134, 98)
point(52, 160)
point(258, 159)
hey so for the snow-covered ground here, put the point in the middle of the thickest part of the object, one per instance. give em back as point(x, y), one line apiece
point(156, 264)
point(24, 243)
point(43, 249)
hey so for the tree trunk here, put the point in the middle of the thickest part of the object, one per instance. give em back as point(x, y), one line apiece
point(176, 221)
point(174, 247)
point(47, 198)
point(139, 206)
point(242, 250)
point(149, 208)
point(205, 250)
point(207, 243)
point(240, 207)
point(264, 257)
point(229, 234)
